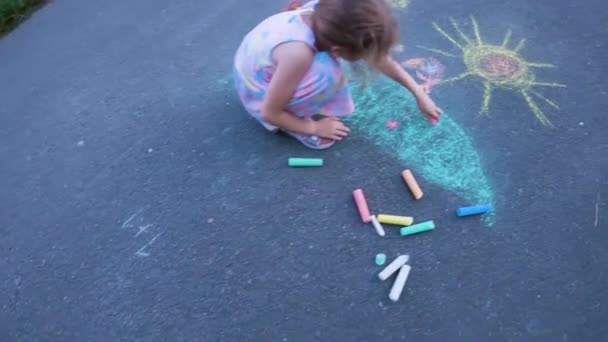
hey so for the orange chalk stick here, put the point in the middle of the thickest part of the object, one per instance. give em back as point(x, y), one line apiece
point(362, 205)
point(409, 179)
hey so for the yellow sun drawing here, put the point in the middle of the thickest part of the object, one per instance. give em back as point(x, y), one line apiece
point(498, 66)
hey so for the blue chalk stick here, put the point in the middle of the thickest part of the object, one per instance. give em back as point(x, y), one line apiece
point(474, 210)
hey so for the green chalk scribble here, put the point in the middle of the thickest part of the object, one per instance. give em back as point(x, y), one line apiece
point(442, 154)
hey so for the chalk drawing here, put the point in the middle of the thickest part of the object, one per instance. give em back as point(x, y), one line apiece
point(428, 70)
point(128, 223)
point(141, 252)
point(392, 124)
point(498, 66)
point(443, 154)
point(137, 220)
point(143, 229)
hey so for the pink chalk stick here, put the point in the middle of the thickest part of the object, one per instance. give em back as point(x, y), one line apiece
point(362, 205)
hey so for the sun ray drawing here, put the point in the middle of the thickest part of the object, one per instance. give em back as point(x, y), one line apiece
point(497, 66)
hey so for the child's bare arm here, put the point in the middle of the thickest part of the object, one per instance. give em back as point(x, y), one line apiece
point(393, 70)
point(293, 60)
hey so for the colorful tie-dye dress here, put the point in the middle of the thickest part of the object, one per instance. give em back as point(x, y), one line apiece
point(322, 90)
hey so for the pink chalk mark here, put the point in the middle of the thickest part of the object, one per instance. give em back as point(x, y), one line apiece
point(427, 82)
point(430, 72)
point(392, 124)
point(427, 69)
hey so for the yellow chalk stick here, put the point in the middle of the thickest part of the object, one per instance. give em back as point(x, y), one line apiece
point(396, 220)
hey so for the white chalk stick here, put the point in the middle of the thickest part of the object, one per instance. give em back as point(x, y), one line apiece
point(377, 226)
point(393, 266)
point(399, 283)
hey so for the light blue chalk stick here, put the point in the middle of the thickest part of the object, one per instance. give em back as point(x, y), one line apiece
point(304, 162)
point(417, 228)
point(474, 210)
point(380, 259)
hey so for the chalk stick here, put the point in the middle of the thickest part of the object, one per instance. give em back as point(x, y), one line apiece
point(304, 162)
point(474, 210)
point(409, 179)
point(399, 283)
point(377, 225)
point(418, 228)
point(393, 266)
point(362, 205)
point(397, 220)
point(380, 259)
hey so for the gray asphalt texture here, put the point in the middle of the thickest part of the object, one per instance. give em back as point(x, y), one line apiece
point(140, 203)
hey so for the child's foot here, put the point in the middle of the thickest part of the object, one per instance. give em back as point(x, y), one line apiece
point(312, 141)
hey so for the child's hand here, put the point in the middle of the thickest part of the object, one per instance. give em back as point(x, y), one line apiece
point(428, 107)
point(331, 128)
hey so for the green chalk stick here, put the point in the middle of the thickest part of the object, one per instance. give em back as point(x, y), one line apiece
point(380, 259)
point(418, 228)
point(303, 162)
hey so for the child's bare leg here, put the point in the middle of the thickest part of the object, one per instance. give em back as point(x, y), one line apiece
point(269, 127)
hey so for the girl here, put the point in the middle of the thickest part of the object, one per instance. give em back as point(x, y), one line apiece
point(287, 70)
